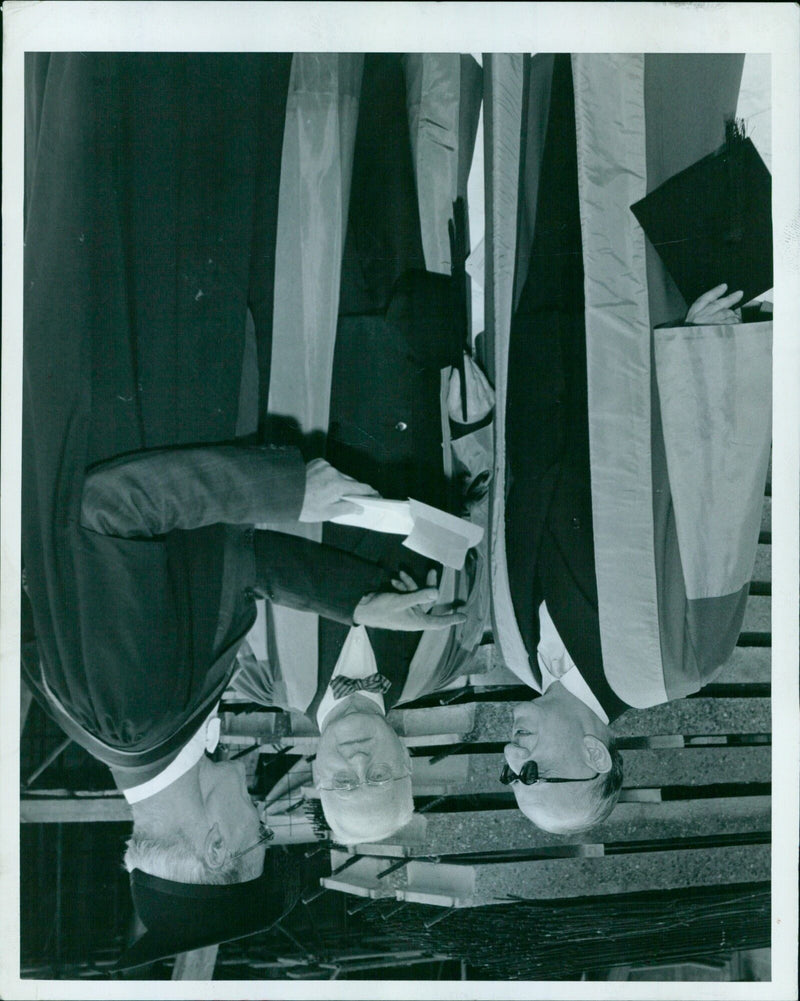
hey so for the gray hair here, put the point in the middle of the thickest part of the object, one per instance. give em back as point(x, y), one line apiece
point(590, 804)
point(603, 793)
point(175, 857)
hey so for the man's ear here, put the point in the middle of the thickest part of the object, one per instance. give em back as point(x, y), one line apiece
point(596, 754)
point(215, 851)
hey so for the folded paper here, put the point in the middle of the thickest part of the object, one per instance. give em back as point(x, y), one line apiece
point(378, 515)
point(433, 533)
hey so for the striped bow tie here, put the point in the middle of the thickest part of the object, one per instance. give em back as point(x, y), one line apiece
point(341, 686)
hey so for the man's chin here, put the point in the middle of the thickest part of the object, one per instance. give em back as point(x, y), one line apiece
point(356, 726)
point(252, 869)
point(525, 717)
point(539, 817)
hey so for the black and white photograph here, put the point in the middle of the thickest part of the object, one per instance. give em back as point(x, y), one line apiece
point(393, 396)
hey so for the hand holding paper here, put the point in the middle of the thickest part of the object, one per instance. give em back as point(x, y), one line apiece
point(378, 515)
point(325, 492)
point(433, 533)
point(409, 608)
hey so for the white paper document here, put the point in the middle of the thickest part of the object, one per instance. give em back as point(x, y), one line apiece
point(433, 533)
point(378, 515)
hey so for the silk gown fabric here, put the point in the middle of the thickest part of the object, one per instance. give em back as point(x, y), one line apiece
point(394, 335)
point(647, 612)
point(316, 173)
point(428, 105)
point(151, 203)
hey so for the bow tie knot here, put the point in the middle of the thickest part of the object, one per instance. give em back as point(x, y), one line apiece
point(342, 686)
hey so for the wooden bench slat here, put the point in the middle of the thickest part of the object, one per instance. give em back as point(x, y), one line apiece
point(551, 879)
point(498, 830)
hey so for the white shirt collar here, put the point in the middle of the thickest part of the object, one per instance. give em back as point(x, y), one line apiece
point(356, 660)
point(556, 664)
point(205, 739)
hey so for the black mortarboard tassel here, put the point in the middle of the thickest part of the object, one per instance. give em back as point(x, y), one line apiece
point(712, 222)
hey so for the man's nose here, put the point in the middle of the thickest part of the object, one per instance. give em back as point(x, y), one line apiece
point(359, 762)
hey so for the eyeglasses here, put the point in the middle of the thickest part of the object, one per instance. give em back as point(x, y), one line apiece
point(265, 834)
point(377, 775)
point(530, 775)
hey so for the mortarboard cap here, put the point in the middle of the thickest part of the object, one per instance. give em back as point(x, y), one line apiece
point(712, 222)
point(179, 917)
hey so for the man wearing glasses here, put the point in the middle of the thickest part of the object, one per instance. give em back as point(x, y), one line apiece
point(362, 771)
point(561, 761)
point(141, 561)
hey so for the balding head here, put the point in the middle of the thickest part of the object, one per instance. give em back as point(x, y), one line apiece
point(571, 808)
point(567, 741)
point(368, 813)
point(362, 772)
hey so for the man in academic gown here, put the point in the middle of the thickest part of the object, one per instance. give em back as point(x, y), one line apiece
point(395, 334)
point(562, 762)
point(151, 204)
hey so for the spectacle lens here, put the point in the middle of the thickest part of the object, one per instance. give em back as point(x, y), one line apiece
point(528, 776)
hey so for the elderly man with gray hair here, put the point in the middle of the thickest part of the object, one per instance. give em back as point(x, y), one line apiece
point(361, 770)
point(397, 423)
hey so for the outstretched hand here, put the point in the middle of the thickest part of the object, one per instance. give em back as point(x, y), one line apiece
point(325, 487)
point(407, 608)
point(715, 307)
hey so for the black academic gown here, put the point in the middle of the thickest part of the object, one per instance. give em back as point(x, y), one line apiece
point(151, 207)
point(394, 335)
point(550, 542)
point(549, 506)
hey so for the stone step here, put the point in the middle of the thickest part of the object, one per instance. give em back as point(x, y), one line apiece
point(507, 830)
point(551, 879)
point(748, 665)
point(762, 569)
point(757, 617)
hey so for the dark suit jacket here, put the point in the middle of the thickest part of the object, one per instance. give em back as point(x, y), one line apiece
point(139, 501)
